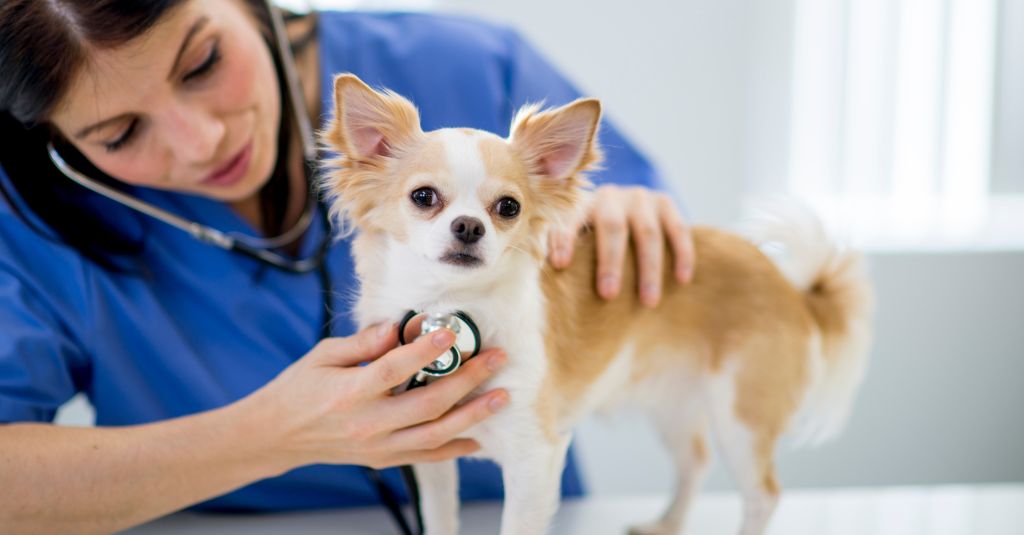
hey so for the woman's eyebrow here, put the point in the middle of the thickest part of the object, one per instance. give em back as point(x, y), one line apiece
point(83, 133)
point(192, 31)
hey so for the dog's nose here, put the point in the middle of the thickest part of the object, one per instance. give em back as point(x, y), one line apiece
point(468, 229)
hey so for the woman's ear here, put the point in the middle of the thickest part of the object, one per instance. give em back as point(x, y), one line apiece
point(558, 143)
point(369, 124)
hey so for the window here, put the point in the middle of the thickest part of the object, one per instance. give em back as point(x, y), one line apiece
point(907, 120)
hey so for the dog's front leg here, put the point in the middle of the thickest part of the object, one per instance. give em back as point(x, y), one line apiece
point(439, 496)
point(532, 474)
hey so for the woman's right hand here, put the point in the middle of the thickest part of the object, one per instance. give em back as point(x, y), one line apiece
point(326, 408)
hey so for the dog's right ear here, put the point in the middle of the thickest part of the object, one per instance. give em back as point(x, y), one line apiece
point(369, 124)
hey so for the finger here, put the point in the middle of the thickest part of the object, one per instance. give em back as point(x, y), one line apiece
point(453, 449)
point(610, 226)
point(680, 238)
point(367, 344)
point(435, 433)
point(650, 250)
point(398, 365)
point(434, 400)
point(560, 244)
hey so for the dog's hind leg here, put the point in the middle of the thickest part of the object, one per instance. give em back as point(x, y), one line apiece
point(748, 454)
point(682, 424)
point(439, 496)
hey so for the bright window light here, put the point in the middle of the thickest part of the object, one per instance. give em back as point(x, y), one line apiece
point(891, 125)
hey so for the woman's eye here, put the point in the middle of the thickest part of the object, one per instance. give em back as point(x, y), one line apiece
point(207, 64)
point(507, 207)
point(424, 197)
point(124, 139)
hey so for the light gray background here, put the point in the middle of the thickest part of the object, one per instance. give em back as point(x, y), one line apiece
point(702, 86)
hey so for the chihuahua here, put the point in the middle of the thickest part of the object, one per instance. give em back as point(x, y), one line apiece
point(457, 219)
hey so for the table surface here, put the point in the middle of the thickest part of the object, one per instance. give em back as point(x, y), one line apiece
point(934, 510)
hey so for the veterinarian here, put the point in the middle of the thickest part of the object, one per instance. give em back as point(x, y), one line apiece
point(160, 251)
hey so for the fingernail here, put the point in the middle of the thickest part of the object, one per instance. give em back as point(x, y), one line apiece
point(558, 256)
point(496, 361)
point(608, 284)
point(650, 293)
point(497, 402)
point(687, 274)
point(443, 338)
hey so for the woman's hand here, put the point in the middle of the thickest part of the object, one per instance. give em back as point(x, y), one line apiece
point(325, 408)
point(618, 214)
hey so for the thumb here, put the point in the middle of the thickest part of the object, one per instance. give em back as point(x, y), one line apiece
point(366, 345)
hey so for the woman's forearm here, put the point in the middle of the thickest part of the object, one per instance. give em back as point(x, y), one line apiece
point(98, 480)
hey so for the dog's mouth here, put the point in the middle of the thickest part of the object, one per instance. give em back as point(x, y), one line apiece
point(462, 259)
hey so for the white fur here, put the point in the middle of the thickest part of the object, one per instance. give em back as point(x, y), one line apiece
point(433, 239)
point(503, 299)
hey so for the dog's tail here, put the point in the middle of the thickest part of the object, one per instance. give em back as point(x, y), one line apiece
point(838, 296)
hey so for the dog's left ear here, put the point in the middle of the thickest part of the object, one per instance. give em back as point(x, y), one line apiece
point(369, 124)
point(558, 143)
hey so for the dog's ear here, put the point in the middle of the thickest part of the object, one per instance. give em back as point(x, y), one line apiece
point(558, 143)
point(368, 124)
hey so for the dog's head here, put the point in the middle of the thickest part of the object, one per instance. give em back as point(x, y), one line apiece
point(460, 199)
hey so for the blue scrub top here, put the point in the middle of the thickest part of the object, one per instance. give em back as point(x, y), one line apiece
point(207, 327)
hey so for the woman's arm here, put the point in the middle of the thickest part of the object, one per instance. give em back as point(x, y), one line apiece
point(325, 408)
point(98, 480)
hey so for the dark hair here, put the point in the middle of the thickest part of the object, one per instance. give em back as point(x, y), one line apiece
point(42, 44)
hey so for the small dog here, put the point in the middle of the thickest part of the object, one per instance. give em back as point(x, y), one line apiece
point(456, 219)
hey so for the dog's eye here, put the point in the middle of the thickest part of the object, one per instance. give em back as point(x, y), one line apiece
point(424, 197)
point(507, 207)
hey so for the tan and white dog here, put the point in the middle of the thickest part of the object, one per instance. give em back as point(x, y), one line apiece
point(456, 219)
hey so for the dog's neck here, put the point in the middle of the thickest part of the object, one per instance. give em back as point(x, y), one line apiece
point(394, 280)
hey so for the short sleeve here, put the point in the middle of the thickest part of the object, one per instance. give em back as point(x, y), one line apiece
point(39, 360)
point(533, 79)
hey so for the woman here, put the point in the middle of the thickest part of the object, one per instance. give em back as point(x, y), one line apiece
point(210, 387)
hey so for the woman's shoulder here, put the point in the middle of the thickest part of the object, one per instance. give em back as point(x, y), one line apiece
point(406, 27)
point(454, 68)
point(411, 36)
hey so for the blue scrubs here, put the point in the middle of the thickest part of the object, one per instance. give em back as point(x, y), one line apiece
point(205, 327)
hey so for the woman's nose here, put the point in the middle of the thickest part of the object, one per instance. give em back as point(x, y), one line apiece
point(194, 135)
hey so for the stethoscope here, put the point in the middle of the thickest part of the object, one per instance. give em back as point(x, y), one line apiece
point(261, 249)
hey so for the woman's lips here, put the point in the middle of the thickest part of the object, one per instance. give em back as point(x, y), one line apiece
point(233, 171)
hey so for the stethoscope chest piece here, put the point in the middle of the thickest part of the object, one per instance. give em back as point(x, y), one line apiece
point(467, 341)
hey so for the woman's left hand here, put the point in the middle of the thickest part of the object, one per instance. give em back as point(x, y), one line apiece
point(617, 215)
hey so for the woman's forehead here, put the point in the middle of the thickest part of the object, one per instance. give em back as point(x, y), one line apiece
point(115, 80)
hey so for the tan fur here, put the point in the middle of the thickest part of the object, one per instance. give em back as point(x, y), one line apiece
point(738, 304)
point(363, 177)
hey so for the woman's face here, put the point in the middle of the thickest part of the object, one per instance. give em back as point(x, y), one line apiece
point(191, 106)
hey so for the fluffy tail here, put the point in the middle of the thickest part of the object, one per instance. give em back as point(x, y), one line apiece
point(839, 297)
